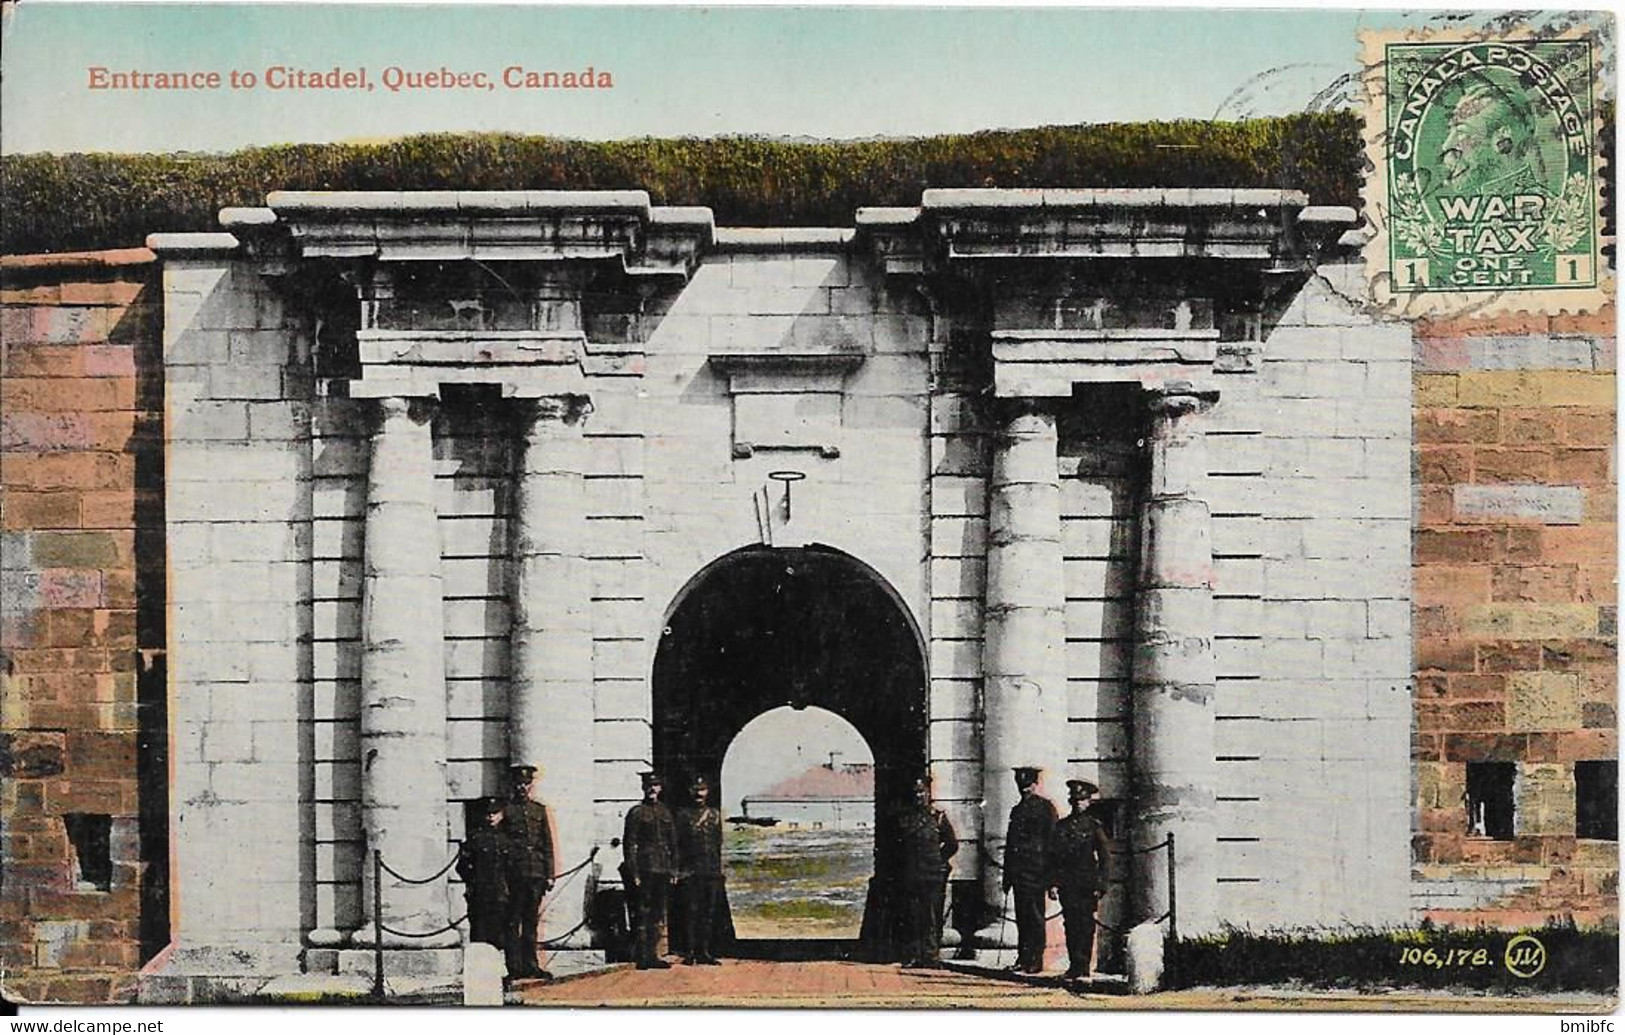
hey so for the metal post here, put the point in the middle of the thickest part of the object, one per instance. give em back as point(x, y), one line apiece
point(377, 924)
point(1173, 915)
point(1173, 896)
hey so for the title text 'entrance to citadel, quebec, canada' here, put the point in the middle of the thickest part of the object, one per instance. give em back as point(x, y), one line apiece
point(765, 627)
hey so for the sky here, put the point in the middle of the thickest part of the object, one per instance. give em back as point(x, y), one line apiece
point(780, 71)
point(782, 743)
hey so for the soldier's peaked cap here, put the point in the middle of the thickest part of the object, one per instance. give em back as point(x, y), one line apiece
point(1082, 785)
point(522, 770)
point(699, 781)
point(490, 805)
point(1026, 774)
point(651, 779)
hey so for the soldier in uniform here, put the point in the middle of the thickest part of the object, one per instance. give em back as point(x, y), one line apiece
point(530, 871)
point(699, 867)
point(483, 866)
point(1026, 870)
point(927, 841)
point(1080, 867)
point(649, 846)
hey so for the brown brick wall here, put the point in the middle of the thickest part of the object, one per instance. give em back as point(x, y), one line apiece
point(80, 470)
point(1516, 617)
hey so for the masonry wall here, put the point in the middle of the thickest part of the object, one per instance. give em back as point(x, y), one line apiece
point(760, 292)
point(81, 622)
point(1311, 527)
point(1516, 609)
point(1515, 621)
point(238, 528)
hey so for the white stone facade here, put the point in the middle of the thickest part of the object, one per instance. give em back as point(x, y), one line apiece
point(1133, 464)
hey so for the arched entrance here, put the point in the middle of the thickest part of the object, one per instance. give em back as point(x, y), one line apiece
point(799, 852)
point(764, 627)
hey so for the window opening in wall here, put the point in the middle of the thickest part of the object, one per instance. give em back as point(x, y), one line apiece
point(1596, 800)
point(91, 836)
point(1490, 799)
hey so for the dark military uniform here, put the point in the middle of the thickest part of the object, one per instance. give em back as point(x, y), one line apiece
point(530, 874)
point(1026, 871)
point(649, 844)
point(1080, 867)
point(926, 841)
point(483, 866)
point(699, 867)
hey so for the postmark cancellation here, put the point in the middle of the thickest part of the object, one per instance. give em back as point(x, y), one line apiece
point(1483, 185)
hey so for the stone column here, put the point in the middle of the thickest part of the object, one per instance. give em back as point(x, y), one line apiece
point(1024, 630)
point(1173, 764)
point(403, 681)
point(551, 694)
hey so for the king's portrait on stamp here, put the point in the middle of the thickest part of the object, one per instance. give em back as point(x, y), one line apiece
point(1483, 186)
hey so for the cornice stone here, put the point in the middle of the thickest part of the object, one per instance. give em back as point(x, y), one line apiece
point(956, 227)
point(409, 226)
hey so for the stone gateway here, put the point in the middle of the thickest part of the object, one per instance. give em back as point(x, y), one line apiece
point(1111, 483)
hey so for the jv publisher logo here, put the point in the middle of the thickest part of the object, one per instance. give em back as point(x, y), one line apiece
point(1526, 956)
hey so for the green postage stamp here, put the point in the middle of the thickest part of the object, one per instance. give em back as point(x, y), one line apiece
point(1484, 187)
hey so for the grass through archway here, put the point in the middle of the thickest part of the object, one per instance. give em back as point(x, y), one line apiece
point(799, 852)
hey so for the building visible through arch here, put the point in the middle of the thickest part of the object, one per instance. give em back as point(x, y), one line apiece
point(838, 796)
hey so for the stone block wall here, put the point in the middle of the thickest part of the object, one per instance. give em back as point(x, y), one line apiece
point(81, 624)
point(1311, 527)
point(1516, 609)
point(671, 496)
point(238, 528)
point(1513, 564)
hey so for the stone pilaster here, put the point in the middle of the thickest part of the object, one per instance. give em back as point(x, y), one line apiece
point(1024, 627)
point(236, 521)
point(403, 682)
point(551, 695)
point(1173, 747)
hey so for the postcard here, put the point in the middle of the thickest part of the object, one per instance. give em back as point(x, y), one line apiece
point(1069, 508)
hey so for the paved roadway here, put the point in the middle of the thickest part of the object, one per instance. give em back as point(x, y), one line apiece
point(844, 984)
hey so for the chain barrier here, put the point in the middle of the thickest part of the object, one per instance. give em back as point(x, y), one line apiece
point(564, 878)
point(1047, 918)
point(426, 880)
point(1148, 849)
point(1168, 914)
point(578, 867)
point(560, 879)
point(379, 928)
point(1119, 930)
point(422, 934)
point(988, 856)
point(558, 941)
point(1098, 922)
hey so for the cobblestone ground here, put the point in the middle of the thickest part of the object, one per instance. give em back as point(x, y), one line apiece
point(844, 984)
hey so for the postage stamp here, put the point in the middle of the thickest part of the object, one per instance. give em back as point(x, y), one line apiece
point(1484, 181)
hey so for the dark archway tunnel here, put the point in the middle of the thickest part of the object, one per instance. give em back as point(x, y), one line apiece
point(765, 627)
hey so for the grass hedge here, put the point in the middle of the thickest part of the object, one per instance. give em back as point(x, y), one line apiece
point(85, 201)
point(1576, 959)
